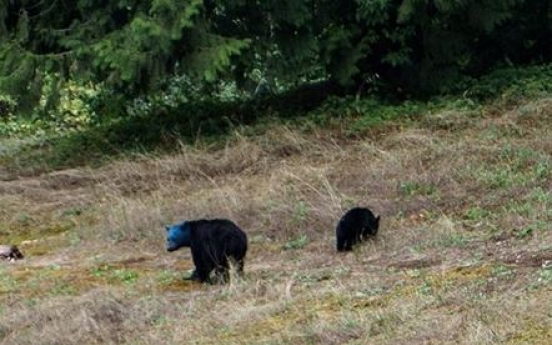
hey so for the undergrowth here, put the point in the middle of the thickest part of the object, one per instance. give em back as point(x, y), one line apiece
point(162, 129)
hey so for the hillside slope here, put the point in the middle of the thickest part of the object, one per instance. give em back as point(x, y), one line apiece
point(464, 254)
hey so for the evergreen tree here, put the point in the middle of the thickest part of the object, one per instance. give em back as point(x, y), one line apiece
point(131, 45)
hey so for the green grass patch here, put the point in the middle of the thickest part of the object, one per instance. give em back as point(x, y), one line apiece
point(504, 175)
point(296, 243)
point(412, 188)
point(476, 213)
point(115, 274)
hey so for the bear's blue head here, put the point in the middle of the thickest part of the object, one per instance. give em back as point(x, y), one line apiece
point(178, 235)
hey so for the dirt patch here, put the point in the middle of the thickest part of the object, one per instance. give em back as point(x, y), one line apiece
point(529, 259)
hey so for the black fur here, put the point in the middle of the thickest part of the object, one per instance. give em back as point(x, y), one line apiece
point(356, 225)
point(212, 243)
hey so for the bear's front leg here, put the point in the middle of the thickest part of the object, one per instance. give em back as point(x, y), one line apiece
point(193, 276)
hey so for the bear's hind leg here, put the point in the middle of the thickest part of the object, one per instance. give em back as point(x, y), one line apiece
point(239, 266)
point(222, 275)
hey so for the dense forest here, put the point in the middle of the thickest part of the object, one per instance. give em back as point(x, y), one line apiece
point(90, 59)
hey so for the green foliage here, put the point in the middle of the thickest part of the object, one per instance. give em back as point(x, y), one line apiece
point(130, 46)
point(301, 212)
point(115, 275)
point(182, 112)
point(453, 240)
point(7, 104)
point(140, 50)
point(96, 57)
point(451, 37)
point(545, 273)
point(155, 123)
point(411, 188)
point(531, 229)
point(296, 243)
point(544, 276)
point(71, 110)
point(476, 213)
point(365, 113)
point(510, 83)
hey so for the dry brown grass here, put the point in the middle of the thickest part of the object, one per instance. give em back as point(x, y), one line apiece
point(463, 255)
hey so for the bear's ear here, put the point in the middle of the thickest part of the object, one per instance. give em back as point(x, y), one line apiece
point(378, 218)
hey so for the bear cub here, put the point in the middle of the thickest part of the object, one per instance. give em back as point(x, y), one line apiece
point(213, 243)
point(356, 225)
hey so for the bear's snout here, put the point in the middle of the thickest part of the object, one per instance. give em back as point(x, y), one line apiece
point(170, 248)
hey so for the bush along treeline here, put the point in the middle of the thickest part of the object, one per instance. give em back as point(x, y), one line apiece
point(82, 64)
point(158, 125)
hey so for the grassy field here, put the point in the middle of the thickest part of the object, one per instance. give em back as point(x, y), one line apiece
point(464, 254)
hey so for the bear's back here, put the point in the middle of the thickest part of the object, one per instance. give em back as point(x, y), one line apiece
point(216, 229)
point(357, 215)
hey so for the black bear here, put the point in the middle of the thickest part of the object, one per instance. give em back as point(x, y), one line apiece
point(357, 224)
point(213, 242)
